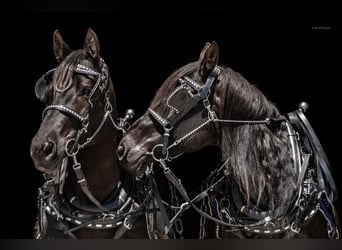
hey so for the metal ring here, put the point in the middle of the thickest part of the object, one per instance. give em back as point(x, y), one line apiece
point(179, 226)
point(107, 95)
point(85, 122)
point(66, 147)
point(160, 159)
point(124, 124)
point(301, 204)
point(108, 107)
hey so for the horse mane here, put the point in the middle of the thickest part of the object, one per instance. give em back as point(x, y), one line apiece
point(66, 69)
point(259, 155)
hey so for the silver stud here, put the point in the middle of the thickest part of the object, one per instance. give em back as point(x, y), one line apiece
point(304, 106)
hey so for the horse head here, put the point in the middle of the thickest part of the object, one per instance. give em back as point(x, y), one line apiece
point(175, 122)
point(76, 94)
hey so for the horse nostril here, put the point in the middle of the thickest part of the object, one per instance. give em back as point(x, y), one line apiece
point(48, 148)
point(121, 152)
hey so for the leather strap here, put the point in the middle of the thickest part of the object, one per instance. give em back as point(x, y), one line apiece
point(161, 207)
point(84, 186)
point(328, 210)
point(202, 94)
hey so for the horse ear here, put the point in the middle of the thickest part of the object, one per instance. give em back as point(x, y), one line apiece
point(208, 58)
point(60, 48)
point(91, 44)
point(205, 48)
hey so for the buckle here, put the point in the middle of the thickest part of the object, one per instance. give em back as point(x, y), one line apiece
point(127, 224)
point(295, 228)
point(206, 103)
point(212, 116)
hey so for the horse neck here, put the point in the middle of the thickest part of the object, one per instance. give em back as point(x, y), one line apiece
point(99, 162)
point(260, 156)
point(101, 169)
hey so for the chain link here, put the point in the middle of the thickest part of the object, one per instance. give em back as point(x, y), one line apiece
point(175, 203)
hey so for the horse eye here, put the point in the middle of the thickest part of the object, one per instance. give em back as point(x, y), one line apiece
point(86, 91)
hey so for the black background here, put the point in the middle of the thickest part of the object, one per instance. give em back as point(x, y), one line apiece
point(291, 57)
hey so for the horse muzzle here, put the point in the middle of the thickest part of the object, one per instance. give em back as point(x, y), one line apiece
point(45, 155)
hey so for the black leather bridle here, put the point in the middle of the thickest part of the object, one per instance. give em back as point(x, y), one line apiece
point(193, 93)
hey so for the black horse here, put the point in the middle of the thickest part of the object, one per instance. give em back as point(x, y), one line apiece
point(274, 177)
point(87, 194)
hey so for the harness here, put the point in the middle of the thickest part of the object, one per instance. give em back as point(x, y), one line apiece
point(62, 209)
point(315, 185)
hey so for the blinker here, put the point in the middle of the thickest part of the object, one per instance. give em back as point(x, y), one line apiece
point(179, 99)
point(42, 84)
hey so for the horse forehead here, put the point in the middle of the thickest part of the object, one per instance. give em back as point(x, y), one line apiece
point(65, 70)
point(77, 57)
point(87, 63)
